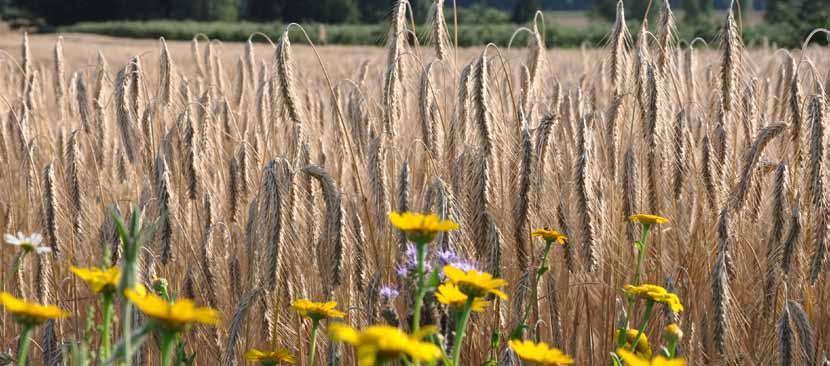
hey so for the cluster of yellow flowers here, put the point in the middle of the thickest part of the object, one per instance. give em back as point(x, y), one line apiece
point(463, 291)
point(655, 293)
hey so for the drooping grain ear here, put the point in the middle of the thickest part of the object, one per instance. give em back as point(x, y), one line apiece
point(403, 202)
point(439, 35)
point(237, 324)
point(585, 196)
point(166, 73)
point(750, 161)
point(805, 331)
point(60, 79)
point(50, 210)
point(785, 338)
point(25, 63)
point(721, 298)
point(620, 41)
point(816, 121)
point(521, 202)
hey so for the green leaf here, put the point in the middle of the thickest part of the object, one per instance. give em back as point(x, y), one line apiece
point(433, 281)
point(6, 359)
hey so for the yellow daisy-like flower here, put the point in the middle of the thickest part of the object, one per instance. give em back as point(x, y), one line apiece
point(539, 353)
point(451, 295)
point(30, 313)
point(657, 294)
point(642, 349)
point(99, 280)
point(269, 358)
point(317, 310)
point(550, 235)
point(474, 283)
point(420, 228)
point(383, 343)
point(631, 359)
point(647, 219)
point(173, 316)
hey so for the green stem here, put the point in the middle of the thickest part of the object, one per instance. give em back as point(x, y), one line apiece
point(13, 271)
point(641, 247)
point(167, 343)
point(419, 295)
point(106, 339)
point(460, 329)
point(672, 348)
point(25, 342)
point(641, 253)
point(518, 332)
point(643, 324)
point(126, 326)
point(315, 324)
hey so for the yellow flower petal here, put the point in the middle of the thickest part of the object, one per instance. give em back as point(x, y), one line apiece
point(26, 312)
point(317, 310)
point(647, 219)
point(174, 316)
point(475, 283)
point(539, 353)
point(550, 235)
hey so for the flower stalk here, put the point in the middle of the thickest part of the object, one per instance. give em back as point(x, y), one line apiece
point(460, 329)
point(15, 267)
point(25, 342)
point(168, 342)
point(518, 332)
point(315, 325)
point(106, 326)
point(421, 290)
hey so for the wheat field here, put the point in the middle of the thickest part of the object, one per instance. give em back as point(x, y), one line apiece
point(267, 170)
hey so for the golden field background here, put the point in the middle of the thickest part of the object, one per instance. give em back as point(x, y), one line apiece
point(577, 158)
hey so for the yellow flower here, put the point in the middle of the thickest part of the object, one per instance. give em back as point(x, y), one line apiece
point(550, 235)
point(173, 316)
point(383, 343)
point(420, 228)
point(642, 349)
point(97, 279)
point(317, 310)
point(647, 219)
point(474, 283)
point(539, 353)
point(269, 357)
point(449, 294)
point(657, 294)
point(631, 359)
point(674, 332)
point(30, 313)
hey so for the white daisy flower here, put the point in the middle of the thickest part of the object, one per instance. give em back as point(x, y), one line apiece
point(29, 243)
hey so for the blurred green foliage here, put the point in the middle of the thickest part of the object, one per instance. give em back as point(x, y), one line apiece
point(594, 34)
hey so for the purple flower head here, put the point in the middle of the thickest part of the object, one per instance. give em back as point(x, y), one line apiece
point(410, 262)
point(463, 265)
point(388, 293)
point(402, 270)
point(446, 257)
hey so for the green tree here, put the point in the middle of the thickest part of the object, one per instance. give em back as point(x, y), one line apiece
point(339, 11)
point(226, 10)
point(263, 10)
point(781, 11)
point(374, 11)
point(523, 11)
point(634, 9)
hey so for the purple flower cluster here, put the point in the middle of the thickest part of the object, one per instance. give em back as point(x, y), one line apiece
point(388, 293)
point(440, 259)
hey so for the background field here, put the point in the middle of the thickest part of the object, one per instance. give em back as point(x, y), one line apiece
point(727, 142)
